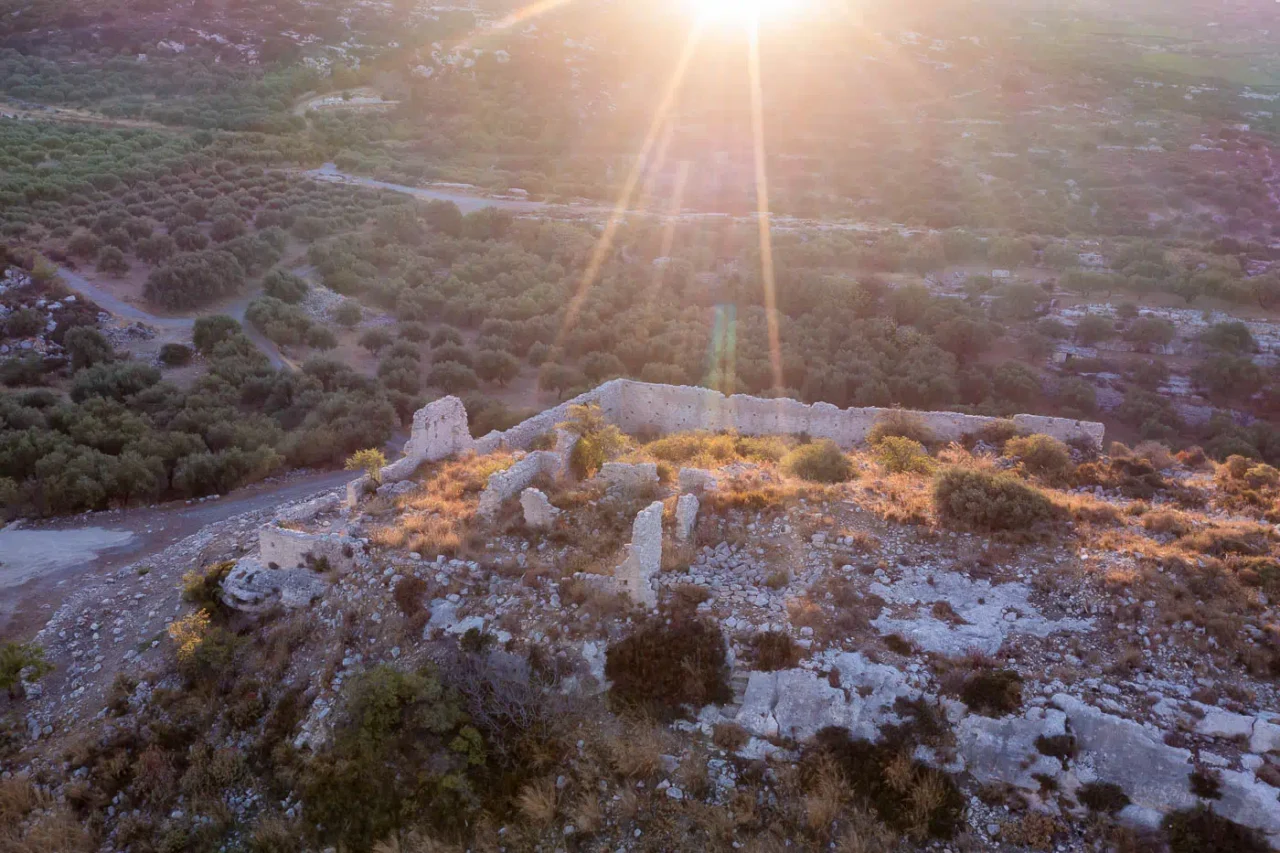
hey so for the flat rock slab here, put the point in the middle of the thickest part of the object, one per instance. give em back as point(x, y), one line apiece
point(989, 613)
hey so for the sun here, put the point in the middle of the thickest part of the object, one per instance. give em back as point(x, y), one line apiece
point(746, 13)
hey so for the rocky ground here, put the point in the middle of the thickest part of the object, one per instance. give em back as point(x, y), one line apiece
point(1094, 683)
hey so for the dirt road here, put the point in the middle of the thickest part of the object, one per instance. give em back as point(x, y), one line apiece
point(123, 309)
point(41, 562)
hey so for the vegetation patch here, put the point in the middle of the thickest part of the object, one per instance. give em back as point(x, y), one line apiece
point(664, 669)
point(986, 500)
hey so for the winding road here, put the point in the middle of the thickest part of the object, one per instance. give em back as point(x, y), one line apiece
point(124, 310)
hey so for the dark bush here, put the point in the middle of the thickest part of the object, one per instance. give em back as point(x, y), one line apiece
point(284, 286)
point(175, 355)
point(989, 501)
point(1042, 455)
point(661, 668)
point(913, 798)
point(87, 347)
point(1200, 830)
point(773, 650)
point(208, 332)
point(992, 692)
point(401, 749)
point(1105, 797)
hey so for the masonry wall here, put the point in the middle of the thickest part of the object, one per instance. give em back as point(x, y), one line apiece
point(641, 406)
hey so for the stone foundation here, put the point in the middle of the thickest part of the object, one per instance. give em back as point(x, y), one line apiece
point(283, 548)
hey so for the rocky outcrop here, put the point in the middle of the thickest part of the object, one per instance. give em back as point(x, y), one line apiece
point(251, 587)
point(984, 614)
point(798, 703)
point(644, 557)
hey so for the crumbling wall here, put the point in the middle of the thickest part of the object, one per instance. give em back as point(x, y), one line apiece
point(644, 557)
point(504, 485)
point(637, 407)
point(291, 549)
point(439, 431)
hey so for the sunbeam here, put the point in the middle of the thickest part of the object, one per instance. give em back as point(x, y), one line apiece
point(762, 206)
point(605, 243)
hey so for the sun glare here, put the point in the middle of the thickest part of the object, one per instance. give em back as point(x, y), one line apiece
point(747, 13)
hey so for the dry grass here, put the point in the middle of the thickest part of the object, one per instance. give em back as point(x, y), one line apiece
point(537, 802)
point(898, 498)
point(713, 450)
point(636, 751)
point(19, 796)
point(825, 799)
point(435, 519)
point(1087, 509)
point(586, 813)
point(414, 842)
point(765, 490)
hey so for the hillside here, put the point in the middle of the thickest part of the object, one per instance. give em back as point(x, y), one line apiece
point(581, 639)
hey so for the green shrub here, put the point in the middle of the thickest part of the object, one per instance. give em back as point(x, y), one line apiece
point(16, 657)
point(992, 692)
point(598, 440)
point(1041, 455)
point(204, 589)
point(901, 455)
point(989, 501)
point(1200, 830)
point(401, 751)
point(819, 462)
point(896, 422)
point(660, 668)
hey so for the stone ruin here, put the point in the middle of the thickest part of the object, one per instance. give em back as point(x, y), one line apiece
point(538, 511)
point(290, 566)
point(285, 548)
point(644, 557)
point(251, 587)
point(637, 407)
point(439, 431)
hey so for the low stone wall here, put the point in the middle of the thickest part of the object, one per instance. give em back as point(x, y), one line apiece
point(504, 485)
point(645, 407)
point(290, 549)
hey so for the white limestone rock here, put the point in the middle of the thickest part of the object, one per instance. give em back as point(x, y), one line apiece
point(251, 587)
point(644, 557)
point(989, 612)
point(686, 516)
point(696, 480)
point(538, 511)
point(1004, 750)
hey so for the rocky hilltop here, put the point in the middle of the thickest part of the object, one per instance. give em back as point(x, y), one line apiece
point(659, 618)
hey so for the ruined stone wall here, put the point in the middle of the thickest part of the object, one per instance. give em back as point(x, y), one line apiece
point(291, 549)
point(503, 485)
point(641, 406)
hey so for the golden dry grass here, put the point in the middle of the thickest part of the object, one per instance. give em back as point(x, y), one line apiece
point(436, 518)
point(537, 802)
